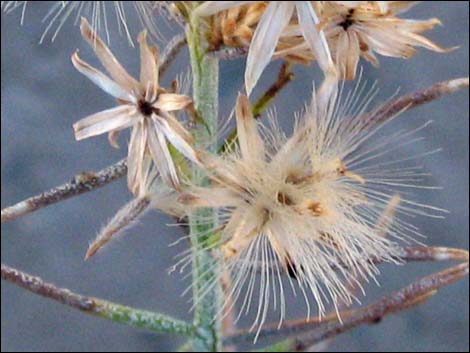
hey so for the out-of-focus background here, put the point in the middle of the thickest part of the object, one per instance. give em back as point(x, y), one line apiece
point(42, 95)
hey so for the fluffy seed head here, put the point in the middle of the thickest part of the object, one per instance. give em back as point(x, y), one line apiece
point(315, 206)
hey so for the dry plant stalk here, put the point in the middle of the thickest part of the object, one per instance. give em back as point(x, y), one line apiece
point(317, 210)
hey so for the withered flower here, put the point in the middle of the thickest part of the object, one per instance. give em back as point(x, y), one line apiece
point(310, 206)
point(272, 25)
point(143, 105)
point(361, 30)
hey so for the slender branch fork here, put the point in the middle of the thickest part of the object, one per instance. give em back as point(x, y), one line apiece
point(306, 333)
point(90, 182)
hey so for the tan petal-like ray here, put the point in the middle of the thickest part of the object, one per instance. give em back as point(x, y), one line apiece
point(415, 26)
point(347, 54)
point(161, 155)
point(177, 127)
point(251, 144)
point(210, 197)
point(172, 101)
point(135, 156)
point(108, 120)
point(110, 63)
point(383, 6)
point(275, 18)
point(316, 39)
point(148, 67)
point(397, 7)
point(421, 41)
point(176, 139)
point(113, 137)
point(243, 231)
point(101, 80)
point(386, 42)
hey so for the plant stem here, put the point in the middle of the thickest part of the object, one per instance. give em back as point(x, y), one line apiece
point(141, 318)
point(205, 70)
point(116, 312)
point(81, 183)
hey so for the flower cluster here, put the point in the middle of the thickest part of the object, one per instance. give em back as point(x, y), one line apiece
point(311, 213)
point(334, 33)
point(318, 205)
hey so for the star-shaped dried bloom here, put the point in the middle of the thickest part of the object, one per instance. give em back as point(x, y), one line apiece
point(143, 105)
point(316, 206)
point(361, 30)
point(272, 25)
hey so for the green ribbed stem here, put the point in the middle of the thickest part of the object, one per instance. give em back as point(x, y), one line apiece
point(205, 70)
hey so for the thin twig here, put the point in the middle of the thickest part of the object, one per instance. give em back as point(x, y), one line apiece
point(284, 76)
point(409, 254)
point(403, 299)
point(87, 181)
point(134, 317)
point(79, 184)
point(433, 253)
point(172, 49)
point(413, 100)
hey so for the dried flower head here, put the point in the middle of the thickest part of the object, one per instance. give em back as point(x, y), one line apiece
point(273, 24)
point(353, 29)
point(143, 105)
point(361, 30)
point(315, 206)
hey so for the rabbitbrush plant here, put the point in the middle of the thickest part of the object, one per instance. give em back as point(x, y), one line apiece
point(314, 212)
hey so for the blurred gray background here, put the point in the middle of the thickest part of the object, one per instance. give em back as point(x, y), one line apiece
point(42, 95)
